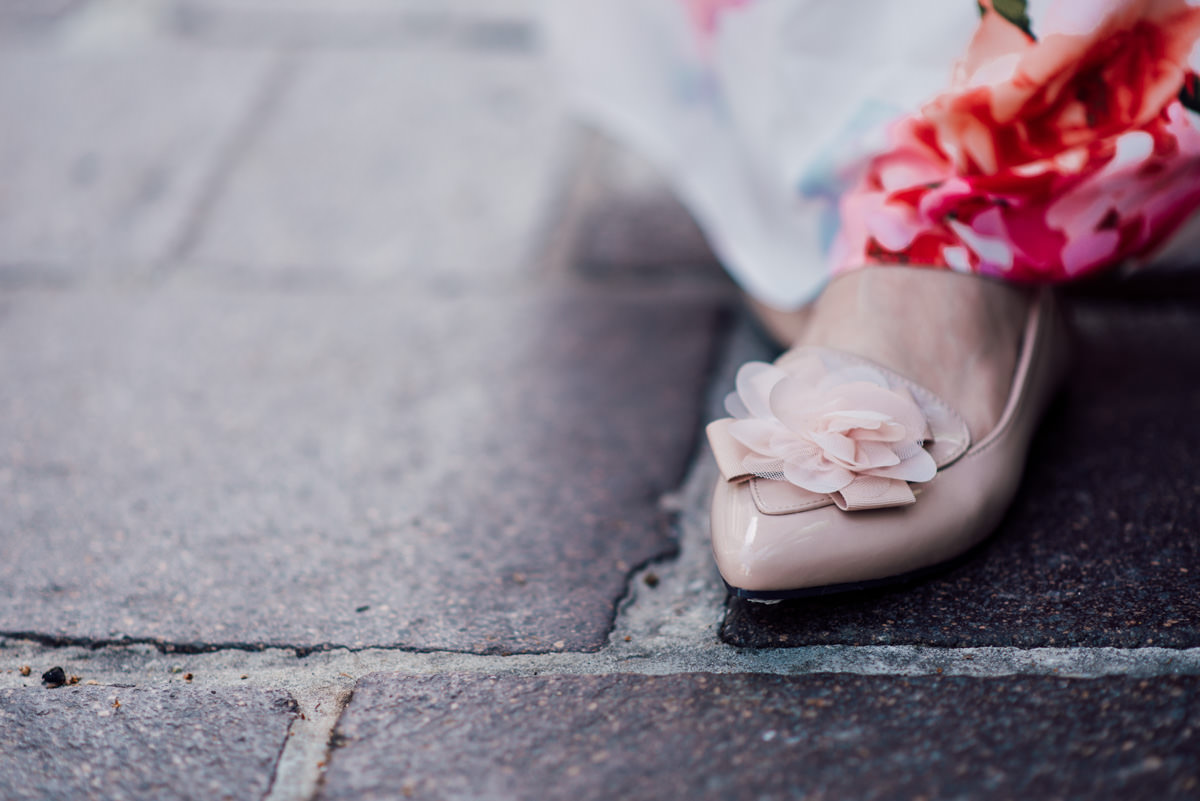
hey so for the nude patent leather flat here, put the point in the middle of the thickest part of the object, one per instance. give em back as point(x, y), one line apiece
point(864, 515)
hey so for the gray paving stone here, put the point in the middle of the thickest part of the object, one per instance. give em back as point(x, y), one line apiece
point(731, 737)
point(1103, 544)
point(128, 744)
point(104, 152)
point(429, 166)
point(202, 467)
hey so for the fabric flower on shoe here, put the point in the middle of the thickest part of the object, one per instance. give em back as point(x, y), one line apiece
point(823, 429)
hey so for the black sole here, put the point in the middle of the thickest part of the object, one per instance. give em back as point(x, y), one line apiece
point(888, 582)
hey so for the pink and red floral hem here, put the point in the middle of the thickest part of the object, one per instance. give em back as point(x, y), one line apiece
point(1031, 142)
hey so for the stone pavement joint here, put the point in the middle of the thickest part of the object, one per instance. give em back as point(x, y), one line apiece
point(259, 110)
point(121, 665)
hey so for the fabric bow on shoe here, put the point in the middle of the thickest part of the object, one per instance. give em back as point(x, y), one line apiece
point(821, 426)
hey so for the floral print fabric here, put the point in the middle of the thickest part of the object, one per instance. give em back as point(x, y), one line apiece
point(1032, 141)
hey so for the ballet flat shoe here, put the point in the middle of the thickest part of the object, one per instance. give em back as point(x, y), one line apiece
point(773, 539)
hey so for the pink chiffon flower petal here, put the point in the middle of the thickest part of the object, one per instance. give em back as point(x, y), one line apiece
point(917, 468)
point(820, 428)
point(817, 478)
point(836, 447)
point(872, 455)
point(754, 434)
point(754, 383)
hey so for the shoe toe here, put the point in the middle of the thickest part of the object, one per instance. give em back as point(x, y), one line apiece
point(763, 553)
point(811, 547)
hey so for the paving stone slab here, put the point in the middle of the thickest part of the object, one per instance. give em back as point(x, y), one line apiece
point(1103, 544)
point(104, 157)
point(426, 167)
point(129, 744)
point(702, 736)
point(204, 467)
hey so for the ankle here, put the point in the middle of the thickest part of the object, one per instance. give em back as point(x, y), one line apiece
point(957, 335)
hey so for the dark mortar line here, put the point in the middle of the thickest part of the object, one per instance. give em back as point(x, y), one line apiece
point(254, 119)
point(336, 739)
point(626, 599)
point(96, 643)
point(301, 651)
